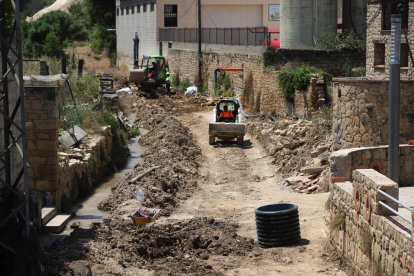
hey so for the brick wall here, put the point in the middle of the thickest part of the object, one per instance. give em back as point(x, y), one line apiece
point(369, 242)
point(42, 124)
point(360, 112)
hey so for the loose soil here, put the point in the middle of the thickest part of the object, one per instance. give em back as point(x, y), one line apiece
point(209, 194)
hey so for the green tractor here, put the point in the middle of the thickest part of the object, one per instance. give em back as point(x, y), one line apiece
point(150, 75)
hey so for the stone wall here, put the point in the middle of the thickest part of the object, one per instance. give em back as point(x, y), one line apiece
point(81, 170)
point(370, 243)
point(337, 63)
point(42, 124)
point(265, 95)
point(267, 98)
point(360, 112)
point(343, 162)
point(376, 35)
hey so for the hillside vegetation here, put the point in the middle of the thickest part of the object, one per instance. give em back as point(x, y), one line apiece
point(86, 21)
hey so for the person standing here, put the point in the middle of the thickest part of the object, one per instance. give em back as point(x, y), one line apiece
point(168, 83)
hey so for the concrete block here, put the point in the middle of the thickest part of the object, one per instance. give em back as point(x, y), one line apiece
point(47, 214)
point(58, 223)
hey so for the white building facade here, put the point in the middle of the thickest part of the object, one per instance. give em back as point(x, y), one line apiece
point(136, 30)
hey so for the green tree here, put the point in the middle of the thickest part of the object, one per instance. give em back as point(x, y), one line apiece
point(52, 46)
point(64, 27)
point(102, 16)
point(101, 12)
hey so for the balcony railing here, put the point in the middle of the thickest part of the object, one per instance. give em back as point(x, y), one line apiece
point(251, 36)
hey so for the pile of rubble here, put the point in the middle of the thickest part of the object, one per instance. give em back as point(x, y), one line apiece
point(299, 148)
point(118, 247)
point(169, 169)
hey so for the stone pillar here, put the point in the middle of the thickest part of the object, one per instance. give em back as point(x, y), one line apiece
point(42, 124)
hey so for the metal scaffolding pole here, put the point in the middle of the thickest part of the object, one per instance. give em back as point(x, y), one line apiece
point(14, 192)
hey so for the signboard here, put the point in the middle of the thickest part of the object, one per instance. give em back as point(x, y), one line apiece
point(274, 12)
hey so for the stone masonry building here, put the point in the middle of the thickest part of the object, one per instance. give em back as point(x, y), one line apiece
point(379, 36)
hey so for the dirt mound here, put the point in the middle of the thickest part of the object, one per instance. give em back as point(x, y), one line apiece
point(168, 249)
point(179, 103)
point(170, 148)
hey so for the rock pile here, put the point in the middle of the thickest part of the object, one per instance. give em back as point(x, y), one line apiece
point(301, 148)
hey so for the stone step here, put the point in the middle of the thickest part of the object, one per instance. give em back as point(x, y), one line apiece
point(58, 223)
point(47, 214)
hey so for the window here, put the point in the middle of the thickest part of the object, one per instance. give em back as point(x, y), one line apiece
point(404, 55)
point(152, 7)
point(127, 10)
point(122, 11)
point(379, 54)
point(117, 11)
point(138, 8)
point(391, 7)
point(144, 8)
point(170, 15)
point(132, 9)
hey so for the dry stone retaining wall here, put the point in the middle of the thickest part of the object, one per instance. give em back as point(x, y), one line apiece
point(78, 176)
point(360, 112)
point(265, 92)
point(370, 243)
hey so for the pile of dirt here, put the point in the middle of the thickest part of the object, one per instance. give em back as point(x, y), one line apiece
point(178, 103)
point(298, 147)
point(169, 249)
point(171, 150)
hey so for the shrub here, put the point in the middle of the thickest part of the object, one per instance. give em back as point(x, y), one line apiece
point(176, 79)
point(347, 40)
point(302, 76)
point(285, 81)
point(337, 223)
point(185, 83)
point(224, 86)
point(296, 78)
point(248, 93)
point(85, 89)
point(134, 131)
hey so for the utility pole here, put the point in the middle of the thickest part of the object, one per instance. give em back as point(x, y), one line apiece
point(394, 101)
point(200, 54)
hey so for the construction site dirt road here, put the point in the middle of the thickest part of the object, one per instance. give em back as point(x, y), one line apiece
point(209, 194)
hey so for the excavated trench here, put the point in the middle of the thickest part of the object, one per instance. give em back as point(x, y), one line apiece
point(87, 212)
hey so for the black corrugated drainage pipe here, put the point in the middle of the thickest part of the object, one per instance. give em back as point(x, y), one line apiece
point(277, 225)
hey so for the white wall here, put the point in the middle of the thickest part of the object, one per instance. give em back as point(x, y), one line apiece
point(126, 27)
point(220, 16)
